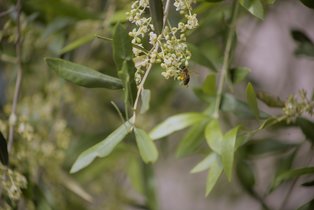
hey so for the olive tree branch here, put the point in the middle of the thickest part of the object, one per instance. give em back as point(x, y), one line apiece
point(18, 49)
point(227, 54)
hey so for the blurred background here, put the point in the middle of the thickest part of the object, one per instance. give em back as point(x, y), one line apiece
point(58, 120)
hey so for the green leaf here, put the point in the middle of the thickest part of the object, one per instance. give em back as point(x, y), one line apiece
point(205, 164)
point(255, 7)
point(305, 44)
point(157, 14)
point(4, 155)
point(213, 175)
point(291, 174)
point(199, 57)
point(103, 148)
point(308, 184)
point(307, 206)
point(145, 100)
point(238, 74)
point(283, 164)
point(270, 100)
point(251, 99)
point(175, 123)
point(228, 150)
point(300, 37)
point(59, 8)
point(191, 140)
point(308, 3)
point(77, 43)
point(246, 176)
point(266, 146)
point(307, 128)
point(213, 0)
point(122, 47)
point(82, 75)
point(214, 136)
point(146, 146)
point(209, 85)
point(135, 174)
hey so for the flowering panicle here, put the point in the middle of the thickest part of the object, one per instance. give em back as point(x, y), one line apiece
point(168, 48)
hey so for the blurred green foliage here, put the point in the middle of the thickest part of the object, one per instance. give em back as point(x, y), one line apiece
point(59, 122)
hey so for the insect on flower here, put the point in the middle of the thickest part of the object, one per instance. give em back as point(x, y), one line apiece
point(184, 75)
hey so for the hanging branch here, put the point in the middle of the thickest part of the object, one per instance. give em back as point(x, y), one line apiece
point(18, 49)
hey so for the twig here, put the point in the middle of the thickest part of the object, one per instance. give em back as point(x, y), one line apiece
point(18, 50)
point(226, 60)
point(4, 13)
point(292, 186)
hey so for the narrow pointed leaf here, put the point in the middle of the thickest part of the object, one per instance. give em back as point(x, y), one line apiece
point(4, 155)
point(146, 146)
point(82, 75)
point(255, 7)
point(145, 100)
point(122, 47)
point(199, 57)
point(213, 176)
point(191, 140)
point(77, 43)
point(209, 85)
point(214, 136)
point(103, 148)
point(269, 100)
point(246, 176)
point(307, 128)
point(175, 123)
point(205, 164)
point(292, 174)
point(238, 74)
point(157, 13)
point(251, 99)
point(228, 150)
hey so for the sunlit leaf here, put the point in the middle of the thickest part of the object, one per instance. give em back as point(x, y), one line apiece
point(175, 123)
point(103, 148)
point(251, 99)
point(77, 43)
point(214, 136)
point(157, 13)
point(146, 146)
point(145, 100)
point(4, 156)
point(228, 150)
point(255, 7)
point(82, 75)
point(205, 164)
point(213, 175)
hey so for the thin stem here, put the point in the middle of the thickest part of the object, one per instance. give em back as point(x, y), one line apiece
point(4, 13)
point(18, 50)
point(292, 186)
point(226, 60)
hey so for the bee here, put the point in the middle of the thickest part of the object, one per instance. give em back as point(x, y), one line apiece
point(184, 75)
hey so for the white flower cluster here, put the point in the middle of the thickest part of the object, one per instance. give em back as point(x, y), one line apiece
point(168, 48)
